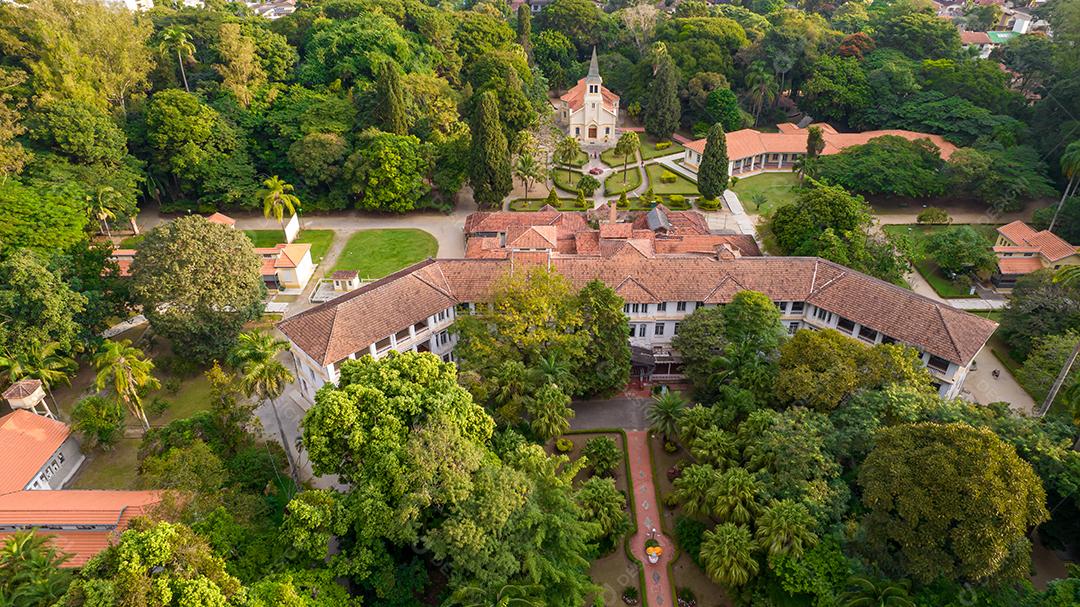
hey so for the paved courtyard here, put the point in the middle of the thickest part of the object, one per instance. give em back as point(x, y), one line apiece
point(620, 412)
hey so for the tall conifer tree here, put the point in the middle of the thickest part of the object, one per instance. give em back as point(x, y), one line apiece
point(713, 172)
point(489, 171)
point(390, 100)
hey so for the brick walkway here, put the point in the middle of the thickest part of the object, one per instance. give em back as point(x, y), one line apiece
point(657, 591)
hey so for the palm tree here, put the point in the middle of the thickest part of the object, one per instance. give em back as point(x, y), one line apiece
point(550, 370)
point(261, 374)
point(867, 593)
point(1070, 167)
point(46, 363)
point(100, 207)
point(664, 414)
point(529, 171)
point(784, 529)
point(728, 554)
point(567, 150)
point(714, 446)
point(760, 87)
point(277, 200)
point(734, 498)
point(129, 371)
point(509, 595)
point(626, 147)
point(175, 39)
point(692, 489)
point(30, 570)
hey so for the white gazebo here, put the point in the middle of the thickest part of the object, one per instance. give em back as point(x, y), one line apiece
point(28, 394)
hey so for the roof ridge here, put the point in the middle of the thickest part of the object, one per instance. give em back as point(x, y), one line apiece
point(948, 331)
point(636, 282)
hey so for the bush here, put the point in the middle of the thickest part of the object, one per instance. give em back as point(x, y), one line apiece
point(158, 406)
point(732, 181)
point(670, 447)
point(933, 215)
point(709, 204)
point(688, 535)
point(677, 199)
point(171, 385)
point(99, 421)
point(588, 184)
point(564, 445)
point(700, 129)
point(668, 177)
point(602, 454)
point(671, 501)
point(662, 145)
point(630, 595)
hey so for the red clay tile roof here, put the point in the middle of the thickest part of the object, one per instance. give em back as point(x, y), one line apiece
point(616, 230)
point(291, 255)
point(221, 218)
point(532, 237)
point(745, 143)
point(1049, 245)
point(27, 441)
point(575, 97)
point(112, 510)
point(682, 222)
point(1019, 265)
point(333, 330)
point(707, 244)
point(22, 389)
point(974, 38)
point(344, 274)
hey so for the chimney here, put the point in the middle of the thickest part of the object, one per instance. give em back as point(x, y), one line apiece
point(613, 212)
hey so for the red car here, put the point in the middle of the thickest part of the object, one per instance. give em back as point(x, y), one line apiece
point(596, 171)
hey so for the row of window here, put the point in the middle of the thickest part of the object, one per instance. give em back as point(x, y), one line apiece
point(680, 306)
point(659, 328)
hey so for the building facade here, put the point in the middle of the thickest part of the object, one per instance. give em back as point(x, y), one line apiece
point(588, 111)
point(1021, 250)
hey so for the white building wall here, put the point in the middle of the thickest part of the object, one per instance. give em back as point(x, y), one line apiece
point(63, 464)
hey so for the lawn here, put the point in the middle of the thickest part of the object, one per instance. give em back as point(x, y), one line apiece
point(622, 181)
point(131, 242)
point(565, 182)
point(928, 268)
point(648, 148)
point(318, 239)
point(773, 190)
point(534, 204)
point(610, 158)
point(681, 185)
point(376, 253)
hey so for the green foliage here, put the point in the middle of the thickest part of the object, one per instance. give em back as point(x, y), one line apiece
point(198, 283)
point(662, 110)
point(37, 307)
point(564, 445)
point(664, 413)
point(1067, 225)
point(713, 172)
point(390, 100)
point(933, 216)
point(1003, 178)
point(587, 185)
point(960, 250)
point(822, 572)
point(30, 573)
point(932, 519)
point(1038, 307)
point(837, 89)
point(602, 454)
point(1044, 363)
point(489, 172)
point(386, 172)
point(919, 35)
point(689, 534)
point(603, 504)
point(889, 165)
point(41, 220)
point(727, 552)
point(99, 421)
point(722, 108)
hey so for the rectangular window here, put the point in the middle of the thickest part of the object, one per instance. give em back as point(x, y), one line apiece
point(659, 330)
point(938, 364)
point(680, 306)
point(792, 328)
point(821, 314)
point(577, 130)
point(382, 344)
point(845, 325)
point(661, 307)
point(635, 308)
point(782, 306)
point(60, 456)
point(699, 304)
point(867, 333)
point(885, 339)
point(797, 307)
point(626, 308)
point(641, 330)
point(676, 330)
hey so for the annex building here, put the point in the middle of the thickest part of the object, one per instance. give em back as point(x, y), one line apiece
point(1021, 250)
point(413, 309)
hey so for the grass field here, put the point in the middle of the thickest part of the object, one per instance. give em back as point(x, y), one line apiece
point(615, 161)
point(131, 242)
point(534, 204)
point(566, 183)
point(681, 185)
point(318, 239)
point(648, 148)
point(616, 183)
point(928, 268)
point(376, 253)
point(777, 190)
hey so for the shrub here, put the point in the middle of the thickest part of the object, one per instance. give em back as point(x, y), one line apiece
point(933, 215)
point(602, 454)
point(158, 406)
point(668, 177)
point(700, 129)
point(630, 595)
point(171, 385)
point(662, 145)
point(670, 447)
point(688, 535)
point(623, 202)
point(732, 181)
point(588, 184)
point(677, 199)
point(564, 445)
point(709, 204)
point(98, 420)
point(671, 501)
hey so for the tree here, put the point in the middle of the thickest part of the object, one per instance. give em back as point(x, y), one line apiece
point(241, 71)
point(960, 250)
point(602, 454)
point(889, 165)
point(885, 593)
point(728, 554)
point(1043, 364)
point(761, 88)
point(128, 371)
point(550, 412)
point(1039, 306)
point(198, 283)
point(693, 489)
point(43, 362)
point(933, 519)
point(42, 220)
point(586, 186)
point(489, 172)
point(919, 35)
point(566, 152)
point(815, 141)
point(529, 171)
point(386, 172)
point(13, 156)
point(785, 528)
point(30, 570)
point(640, 20)
point(1070, 167)
point(37, 309)
point(722, 107)
point(261, 374)
point(752, 321)
point(626, 147)
point(524, 30)
point(734, 496)
point(837, 89)
point(664, 414)
point(699, 341)
point(390, 100)
point(156, 559)
point(277, 200)
point(662, 109)
point(605, 362)
point(603, 504)
point(99, 421)
point(713, 172)
point(175, 39)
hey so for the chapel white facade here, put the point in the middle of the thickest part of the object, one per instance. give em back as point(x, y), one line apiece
point(588, 111)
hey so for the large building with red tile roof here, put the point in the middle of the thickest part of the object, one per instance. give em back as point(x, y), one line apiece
point(38, 456)
point(1021, 250)
point(751, 151)
point(412, 310)
point(588, 111)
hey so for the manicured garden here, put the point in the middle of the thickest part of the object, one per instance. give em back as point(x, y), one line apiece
point(318, 239)
point(566, 180)
point(376, 253)
point(764, 193)
point(928, 268)
point(649, 150)
point(613, 160)
point(622, 181)
point(660, 178)
point(535, 204)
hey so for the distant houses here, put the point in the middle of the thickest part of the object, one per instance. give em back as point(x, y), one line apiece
point(1021, 250)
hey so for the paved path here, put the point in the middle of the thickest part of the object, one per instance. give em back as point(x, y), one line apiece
point(658, 590)
point(983, 388)
point(975, 304)
point(626, 412)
